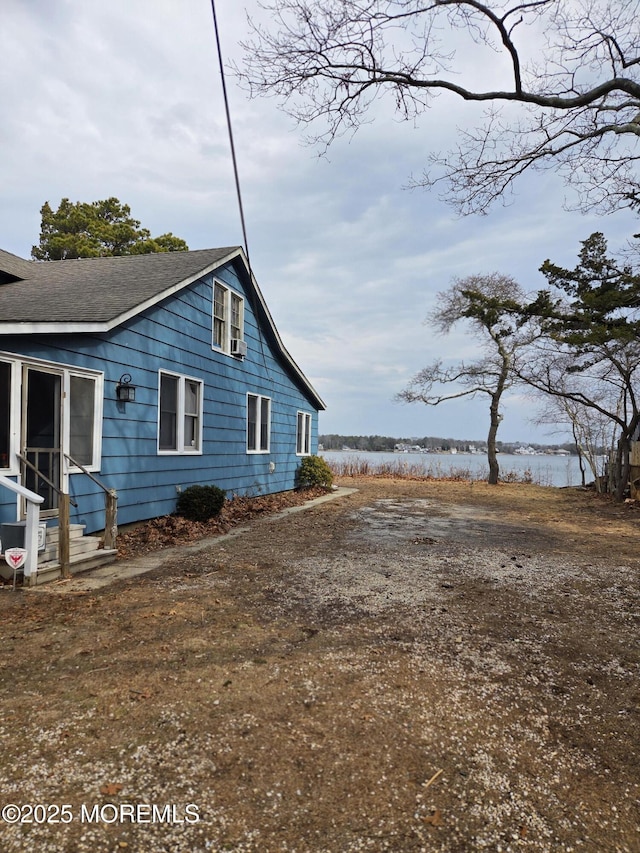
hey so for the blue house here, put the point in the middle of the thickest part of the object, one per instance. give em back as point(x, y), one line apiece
point(144, 374)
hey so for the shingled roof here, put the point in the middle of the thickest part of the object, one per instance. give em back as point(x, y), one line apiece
point(13, 267)
point(98, 294)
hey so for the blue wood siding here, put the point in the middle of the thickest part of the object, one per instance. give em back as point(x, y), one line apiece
point(175, 336)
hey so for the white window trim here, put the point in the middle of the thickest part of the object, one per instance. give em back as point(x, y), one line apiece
point(18, 363)
point(307, 422)
point(15, 403)
point(260, 398)
point(225, 347)
point(98, 401)
point(181, 450)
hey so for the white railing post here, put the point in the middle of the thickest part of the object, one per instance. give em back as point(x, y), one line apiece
point(31, 531)
point(31, 541)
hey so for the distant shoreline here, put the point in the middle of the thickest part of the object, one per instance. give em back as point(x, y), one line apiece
point(554, 453)
point(545, 469)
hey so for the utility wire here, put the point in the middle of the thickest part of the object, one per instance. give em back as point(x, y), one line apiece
point(231, 143)
point(237, 180)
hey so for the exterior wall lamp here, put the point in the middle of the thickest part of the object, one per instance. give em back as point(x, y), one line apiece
point(125, 391)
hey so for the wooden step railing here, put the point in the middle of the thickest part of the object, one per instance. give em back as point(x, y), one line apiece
point(110, 505)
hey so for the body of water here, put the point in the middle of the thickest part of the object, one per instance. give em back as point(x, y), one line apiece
point(545, 470)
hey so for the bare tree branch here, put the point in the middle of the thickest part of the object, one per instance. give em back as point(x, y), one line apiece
point(593, 433)
point(328, 60)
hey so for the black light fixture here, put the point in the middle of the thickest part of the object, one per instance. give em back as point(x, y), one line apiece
point(125, 391)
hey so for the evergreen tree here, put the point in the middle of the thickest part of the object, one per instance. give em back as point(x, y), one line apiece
point(94, 230)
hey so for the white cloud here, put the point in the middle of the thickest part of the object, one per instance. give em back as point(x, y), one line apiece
point(124, 99)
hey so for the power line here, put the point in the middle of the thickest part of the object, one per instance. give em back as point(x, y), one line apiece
point(238, 192)
point(231, 143)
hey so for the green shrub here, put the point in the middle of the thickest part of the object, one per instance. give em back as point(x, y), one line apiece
point(314, 471)
point(200, 503)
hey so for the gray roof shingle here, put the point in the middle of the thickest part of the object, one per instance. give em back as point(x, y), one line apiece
point(14, 266)
point(95, 290)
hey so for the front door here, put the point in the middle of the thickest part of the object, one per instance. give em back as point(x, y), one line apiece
point(42, 435)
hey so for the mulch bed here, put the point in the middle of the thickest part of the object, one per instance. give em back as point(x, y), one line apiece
point(171, 530)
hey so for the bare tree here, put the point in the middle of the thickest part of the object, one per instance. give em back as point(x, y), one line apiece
point(572, 67)
point(489, 304)
point(595, 434)
point(602, 382)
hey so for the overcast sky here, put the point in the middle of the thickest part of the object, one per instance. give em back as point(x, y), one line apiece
point(123, 98)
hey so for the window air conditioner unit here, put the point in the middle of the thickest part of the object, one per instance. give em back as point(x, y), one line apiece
point(238, 347)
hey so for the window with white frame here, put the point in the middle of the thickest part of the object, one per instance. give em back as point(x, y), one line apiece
point(5, 413)
point(303, 434)
point(219, 315)
point(84, 445)
point(258, 424)
point(179, 414)
point(228, 318)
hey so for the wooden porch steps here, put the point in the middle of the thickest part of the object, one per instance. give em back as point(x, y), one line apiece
point(85, 553)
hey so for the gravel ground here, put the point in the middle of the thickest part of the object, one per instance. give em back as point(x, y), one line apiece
point(419, 666)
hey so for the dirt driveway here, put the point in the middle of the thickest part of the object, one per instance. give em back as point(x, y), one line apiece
point(417, 666)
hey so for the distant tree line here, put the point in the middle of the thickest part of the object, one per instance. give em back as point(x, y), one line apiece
point(373, 443)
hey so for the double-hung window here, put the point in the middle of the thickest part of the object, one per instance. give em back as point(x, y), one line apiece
point(235, 316)
point(228, 320)
point(303, 434)
point(179, 414)
point(258, 424)
point(219, 315)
